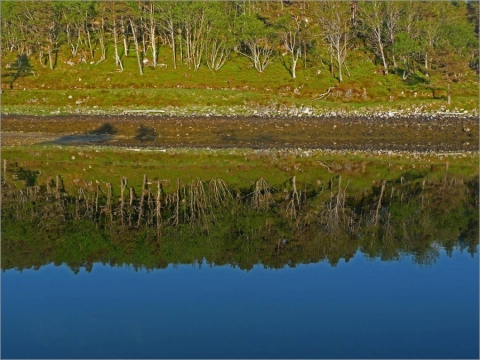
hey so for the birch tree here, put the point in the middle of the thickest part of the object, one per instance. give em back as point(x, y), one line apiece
point(194, 26)
point(393, 12)
point(372, 16)
point(170, 24)
point(290, 35)
point(335, 27)
point(257, 42)
point(42, 20)
point(116, 14)
point(219, 35)
point(456, 43)
point(133, 18)
point(152, 30)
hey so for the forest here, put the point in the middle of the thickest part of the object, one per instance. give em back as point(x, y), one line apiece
point(432, 38)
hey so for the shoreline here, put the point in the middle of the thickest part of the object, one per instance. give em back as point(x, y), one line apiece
point(260, 112)
point(417, 133)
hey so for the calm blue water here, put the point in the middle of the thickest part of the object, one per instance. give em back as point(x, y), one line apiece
point(359, 309)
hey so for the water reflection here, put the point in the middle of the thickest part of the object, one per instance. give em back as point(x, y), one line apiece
point(363, 309)
point(208, 222)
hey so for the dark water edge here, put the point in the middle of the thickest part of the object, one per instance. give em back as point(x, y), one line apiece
point(361, 309)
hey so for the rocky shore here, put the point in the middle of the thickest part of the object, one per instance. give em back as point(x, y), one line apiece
point(380, 131)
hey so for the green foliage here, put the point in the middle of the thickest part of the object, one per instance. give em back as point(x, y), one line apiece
point(413, 219)
point(77, 40)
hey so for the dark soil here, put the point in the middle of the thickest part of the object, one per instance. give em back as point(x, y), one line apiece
point(415, 133)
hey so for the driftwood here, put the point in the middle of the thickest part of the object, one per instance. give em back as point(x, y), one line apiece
point(325, 94)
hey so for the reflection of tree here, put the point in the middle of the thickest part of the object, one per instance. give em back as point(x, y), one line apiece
point(20, 68)
point(145, 133)
point(106, 128)
point(410, 222)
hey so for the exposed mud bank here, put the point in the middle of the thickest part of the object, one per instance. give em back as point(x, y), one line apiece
point(416, 132)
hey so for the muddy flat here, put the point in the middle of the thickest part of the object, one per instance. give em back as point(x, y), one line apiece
point(415, 133)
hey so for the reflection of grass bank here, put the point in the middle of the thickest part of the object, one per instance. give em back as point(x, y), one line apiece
point(415, 218)
point(238, 167)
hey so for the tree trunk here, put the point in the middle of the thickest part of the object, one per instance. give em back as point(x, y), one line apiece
point(144, 44)
point(137, 48)
point(101, 39)
point(339, 62)
point(50, 59)
point(154, 46)
point(125, 40)
point(118, 61)
point(294, 64)
point(173, 50)
point(304, 55)
point(181, 50)
point(40, 57)
point(331, 60)
point(187, 40)
point(449, 97)
point(152, 34)
point(382, 53)
point(395, 65)
point(90, 47)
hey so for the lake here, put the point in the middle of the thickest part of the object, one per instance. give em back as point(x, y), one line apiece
point(361, 309)
point(338, 266)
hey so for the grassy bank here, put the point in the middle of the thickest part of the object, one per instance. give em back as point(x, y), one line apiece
point(235, 89)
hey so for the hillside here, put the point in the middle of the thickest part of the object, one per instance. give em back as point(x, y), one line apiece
point(50, 72)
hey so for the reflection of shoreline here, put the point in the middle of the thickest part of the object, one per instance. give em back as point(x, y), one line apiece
point(262, 226)
point(205, 263)
point(13, 139)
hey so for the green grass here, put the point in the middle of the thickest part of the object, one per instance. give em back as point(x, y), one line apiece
point(238, 167)
point(236, 88)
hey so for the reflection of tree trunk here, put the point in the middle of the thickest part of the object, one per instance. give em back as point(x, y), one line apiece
point(379, 202)
point(109, 201)
point(159, 205)
point(140, 207)
point(4, 181)
point(57, 187)
point(123, 185)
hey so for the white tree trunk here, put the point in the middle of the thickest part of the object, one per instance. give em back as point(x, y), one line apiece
point(137, 48)
point(118, 61)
